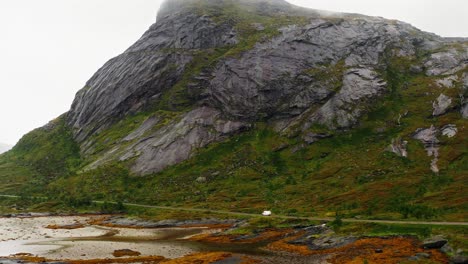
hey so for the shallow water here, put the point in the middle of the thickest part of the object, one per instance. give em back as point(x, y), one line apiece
point(30, 235)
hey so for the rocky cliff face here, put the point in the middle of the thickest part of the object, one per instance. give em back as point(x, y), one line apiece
point(221, 66)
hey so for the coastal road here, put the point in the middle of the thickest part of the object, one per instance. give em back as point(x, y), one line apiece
point(347, 220)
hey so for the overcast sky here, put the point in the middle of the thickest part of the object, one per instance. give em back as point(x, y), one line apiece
point(50, 48)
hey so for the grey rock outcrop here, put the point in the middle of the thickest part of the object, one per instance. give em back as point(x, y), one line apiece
point(253, 87)
point(465, 82)
point(343, 110)
point(447, 82)
point(464, 110)
point(428, 136)
point(138, 223)
point(310, 137)
point(173, 143)
point(441, 105)
point(464, 97)
point(446, 62)
point(449, 131)
point(138, 77)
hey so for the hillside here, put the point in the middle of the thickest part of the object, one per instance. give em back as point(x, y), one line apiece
point(254, 104)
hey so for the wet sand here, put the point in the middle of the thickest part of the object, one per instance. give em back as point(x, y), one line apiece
point(30, 235)
point(74, 238)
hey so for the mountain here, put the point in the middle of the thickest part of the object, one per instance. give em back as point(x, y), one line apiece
point(4, 148)
point(258, 104)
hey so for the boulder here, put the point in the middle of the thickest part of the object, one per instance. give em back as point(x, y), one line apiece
point(434, 242)
point(441, 105)
point(201, 179)
point(423, 255)
point(449, 130)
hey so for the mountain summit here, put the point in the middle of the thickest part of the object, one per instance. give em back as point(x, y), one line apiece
point(247, 99)
point(171, 6)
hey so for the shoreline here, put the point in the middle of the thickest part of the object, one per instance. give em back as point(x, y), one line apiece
point(215, 238)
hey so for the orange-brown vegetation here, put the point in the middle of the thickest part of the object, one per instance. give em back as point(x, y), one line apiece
point(392, 250)
point(283, 245)
point(27, 257)
point(101, 221)
point(212, 226)
point(69, 227)
point(267, 235)
point(199, 258)
point(125, 252)
point(146, 259)
point(247, 260)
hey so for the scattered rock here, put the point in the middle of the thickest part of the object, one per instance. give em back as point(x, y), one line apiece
point(441, 105)
point(459, 259)
point(447, 249)
point(310, 137)
point(434, 242)
point(465, 82)
point(415, 69)
point(378, 250)
point(445, 62)
point(201, 179)
point(398, 147)
point(310, 234)
point(447, 82)
point(136, 223)
point(326, 242)
point(428, 136)
point(464, 110)
point(449, 130)
point(423, 255)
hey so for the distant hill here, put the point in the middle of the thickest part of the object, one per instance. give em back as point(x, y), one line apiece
point(4, 148)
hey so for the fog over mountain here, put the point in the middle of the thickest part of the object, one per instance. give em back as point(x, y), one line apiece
point(4, 148)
